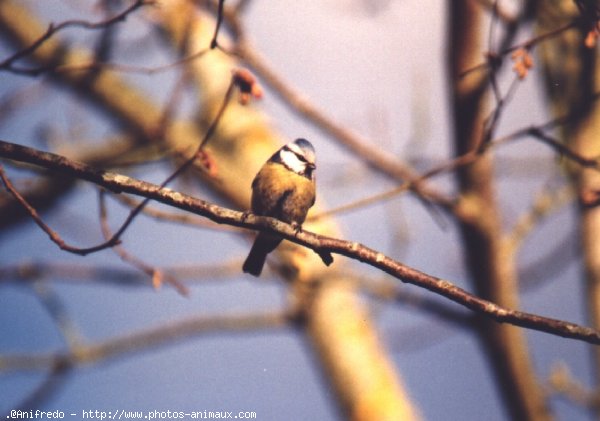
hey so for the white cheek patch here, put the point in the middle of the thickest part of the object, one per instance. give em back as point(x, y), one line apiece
point(291, 161)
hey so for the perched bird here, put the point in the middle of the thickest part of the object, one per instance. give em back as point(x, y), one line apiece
point(284, 188)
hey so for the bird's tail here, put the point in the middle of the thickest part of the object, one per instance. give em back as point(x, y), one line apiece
point(263, 245)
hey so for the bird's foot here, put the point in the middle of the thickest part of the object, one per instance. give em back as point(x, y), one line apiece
point(245, 215)
point(297, 227)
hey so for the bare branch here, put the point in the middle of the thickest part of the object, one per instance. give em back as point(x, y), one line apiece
point(527, 45)
point(115, 67)
point(176, 217)
point(132, 343)
point(155, 273)
point(54, 28)
point(115, 238)
point(547, 201)
point(214, 43)
point(564, 150)
point(54, 236)
point(28, 271)
point(318, 243)
point(374, 157)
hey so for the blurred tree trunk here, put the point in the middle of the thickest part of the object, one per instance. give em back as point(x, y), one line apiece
point(339, 328)
point(489, 259)
point(571, 73)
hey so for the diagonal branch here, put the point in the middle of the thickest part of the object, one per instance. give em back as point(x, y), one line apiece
point(318, 243)
point(155, 273)
point(54, 236)
point(54, 28)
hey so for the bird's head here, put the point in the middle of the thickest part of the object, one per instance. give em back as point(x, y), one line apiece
point(297, 156)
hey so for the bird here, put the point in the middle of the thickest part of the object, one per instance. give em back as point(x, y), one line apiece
point(284, 188)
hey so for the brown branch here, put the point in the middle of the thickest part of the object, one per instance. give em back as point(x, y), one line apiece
point(417, 301)
point(176, 217)
point(374, 157)
point(132, 343)
point(29, 271)
point(198, 154)
point(247, 141)
point(445, 167)
point(494, 58)
point(561, 382)
point(48, 388)
point(54, 236)
point(318, 243)
point(491, 267)
point(56, 309)
point(469, 157)
point(562, 149)
point(75, 23)
point(115, 238)
point(214, 43)
point(115, 67)
point(156, 274)
point(549, 200)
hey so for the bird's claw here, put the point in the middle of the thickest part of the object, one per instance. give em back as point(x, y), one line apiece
point(297, 227)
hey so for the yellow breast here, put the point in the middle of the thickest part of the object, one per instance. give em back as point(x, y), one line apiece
point(282, 194)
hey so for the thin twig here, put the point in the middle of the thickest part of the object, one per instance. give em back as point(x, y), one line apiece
point(82, 274)
point(134, 212)
point(528, 45)
point(54, 236)
point(175, 217)
point(115, 67)
point(115, 239)
point(132, 343)
point(374, 157)
point(58, 312)
point(54, 28)
point(157, 275)
point(214, 43)
point(58, 372)
point(562, 149)
point(469, 157)
point(547, 201)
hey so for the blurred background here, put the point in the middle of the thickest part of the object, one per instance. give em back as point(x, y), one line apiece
point(380, 71)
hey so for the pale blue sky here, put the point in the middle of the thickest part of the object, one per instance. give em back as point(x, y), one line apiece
point(381, 73)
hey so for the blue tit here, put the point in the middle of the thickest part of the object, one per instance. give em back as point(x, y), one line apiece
point(284, 188)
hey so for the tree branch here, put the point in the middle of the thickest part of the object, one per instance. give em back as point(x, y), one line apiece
point(132, 343)
point(121, 183)
point(54, 28)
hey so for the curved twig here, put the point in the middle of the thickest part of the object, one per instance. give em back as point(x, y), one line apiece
point(54, 28)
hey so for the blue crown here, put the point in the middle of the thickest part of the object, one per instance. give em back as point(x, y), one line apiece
point(307, 149)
